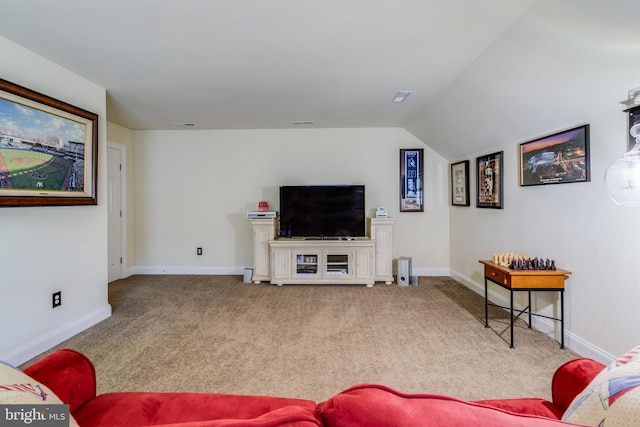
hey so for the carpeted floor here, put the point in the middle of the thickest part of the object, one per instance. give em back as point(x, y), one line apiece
point(217, 334)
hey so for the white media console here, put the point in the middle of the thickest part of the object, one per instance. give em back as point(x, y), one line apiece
point(361, 260)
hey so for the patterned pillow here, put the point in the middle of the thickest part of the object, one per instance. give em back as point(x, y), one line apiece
point(17, 388)
point(612, 399)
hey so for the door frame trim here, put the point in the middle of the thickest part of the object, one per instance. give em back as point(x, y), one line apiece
point(123, 205)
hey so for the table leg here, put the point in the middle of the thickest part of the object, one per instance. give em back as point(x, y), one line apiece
point(486, 304)
point(529, 292)
point(562, 320)
point(511, 307)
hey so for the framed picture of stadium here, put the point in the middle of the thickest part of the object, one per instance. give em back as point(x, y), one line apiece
point(556, 159)
point(48, 150)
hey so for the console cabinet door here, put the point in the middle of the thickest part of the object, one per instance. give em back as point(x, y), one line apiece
point(381, 233)
point(364, 264)
point(280, 265)
point(338, 264)
point(263, 231)
point(306, 264)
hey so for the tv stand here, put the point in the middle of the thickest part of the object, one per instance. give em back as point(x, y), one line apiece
point(317, 260)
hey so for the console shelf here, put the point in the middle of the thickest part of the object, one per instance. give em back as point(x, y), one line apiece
point(362, 260)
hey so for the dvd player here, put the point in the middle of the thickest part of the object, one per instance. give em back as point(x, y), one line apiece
point(260, 214)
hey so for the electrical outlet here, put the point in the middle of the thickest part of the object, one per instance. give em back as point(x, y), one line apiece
point(56, 299)
point(199, 251)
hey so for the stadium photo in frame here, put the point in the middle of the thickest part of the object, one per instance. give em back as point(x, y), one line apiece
point(460, 183)
point(560, 158)
point(411, 176)
point(48, 150)
point(489, 180)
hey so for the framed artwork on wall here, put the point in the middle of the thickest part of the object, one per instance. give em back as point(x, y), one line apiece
point(489, 172)
point(560, 158)
point(633, 118)
point(460, 183)
point(411, 176)
point(48, 150)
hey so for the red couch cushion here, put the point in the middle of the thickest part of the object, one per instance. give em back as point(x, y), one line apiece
point(529, 406)
point(129, 409)
point(69, 374)
point(380, 406)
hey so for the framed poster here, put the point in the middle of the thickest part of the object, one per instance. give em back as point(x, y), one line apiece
point(48, 150)
point(460, 183)
point(633, 118)
point(489, 171)
point(559, 158)
point(411, 175)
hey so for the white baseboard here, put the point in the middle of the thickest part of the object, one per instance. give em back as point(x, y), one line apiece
point(186, 270)
point(572, 341)
point(55, 337)
point(430, 272)
point(240, 271)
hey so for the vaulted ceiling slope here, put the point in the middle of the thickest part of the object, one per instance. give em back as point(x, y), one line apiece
point(255, 64)
point(252, 64)
point(562, 64)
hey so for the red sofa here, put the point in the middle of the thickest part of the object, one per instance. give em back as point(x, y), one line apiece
point(71, 376)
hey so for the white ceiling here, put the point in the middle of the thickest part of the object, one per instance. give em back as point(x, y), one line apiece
point(252, 64)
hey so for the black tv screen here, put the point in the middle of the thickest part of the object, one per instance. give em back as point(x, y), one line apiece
point(322, 211)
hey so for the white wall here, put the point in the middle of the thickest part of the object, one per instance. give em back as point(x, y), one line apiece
point(193, 188)
point(49, 249)
point(559, 66)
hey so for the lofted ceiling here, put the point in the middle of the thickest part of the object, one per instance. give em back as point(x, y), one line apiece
point(255, 64)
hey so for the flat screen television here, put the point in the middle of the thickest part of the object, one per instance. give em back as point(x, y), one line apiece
point(322, 211)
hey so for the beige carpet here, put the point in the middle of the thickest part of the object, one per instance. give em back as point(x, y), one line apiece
point(217, 334)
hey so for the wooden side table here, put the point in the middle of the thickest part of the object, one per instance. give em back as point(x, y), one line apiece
point(528, 281)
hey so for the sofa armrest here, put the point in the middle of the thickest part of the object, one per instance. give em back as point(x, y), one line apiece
point(571, 378)
point(69, 374)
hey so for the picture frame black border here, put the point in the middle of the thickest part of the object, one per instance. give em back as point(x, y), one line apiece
point(633, 117)
point(465, 164)
point(498, 157)
point(420, 180)
point(587, 155)
point(47, 104)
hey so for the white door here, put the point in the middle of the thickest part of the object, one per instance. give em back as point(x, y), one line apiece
point(115, 159)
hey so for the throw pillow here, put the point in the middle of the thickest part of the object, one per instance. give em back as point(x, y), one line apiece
point(612, 399)
point(17, 388)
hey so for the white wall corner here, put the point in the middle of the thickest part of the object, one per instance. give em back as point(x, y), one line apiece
point(56, 336)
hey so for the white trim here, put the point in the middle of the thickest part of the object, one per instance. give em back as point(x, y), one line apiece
point(123, 205)
point(430, 272)
point(187, 270)
point(55, 337)
point(240, 270)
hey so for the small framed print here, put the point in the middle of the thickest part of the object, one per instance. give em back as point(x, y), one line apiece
point(460, 183)
point(411, 175)
point(489, 171)
point(633, 119)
